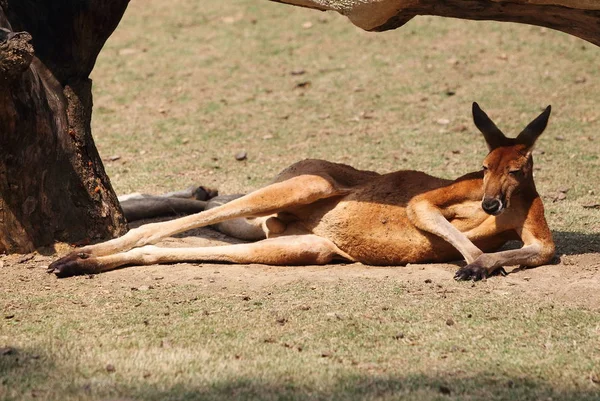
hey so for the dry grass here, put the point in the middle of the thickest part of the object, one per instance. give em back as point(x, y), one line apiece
point(345, 332)
point(182, 86)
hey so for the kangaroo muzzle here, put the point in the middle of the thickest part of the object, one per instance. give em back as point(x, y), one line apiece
point(493, 206)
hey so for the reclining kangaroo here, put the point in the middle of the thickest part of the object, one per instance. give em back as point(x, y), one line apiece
point(316, 212)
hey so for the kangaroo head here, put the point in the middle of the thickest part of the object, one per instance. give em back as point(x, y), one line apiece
point(509, 165)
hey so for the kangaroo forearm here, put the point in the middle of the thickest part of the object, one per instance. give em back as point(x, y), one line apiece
point(428, 218)
point(529, 255)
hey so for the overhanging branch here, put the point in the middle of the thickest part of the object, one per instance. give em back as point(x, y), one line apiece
point(580, 18)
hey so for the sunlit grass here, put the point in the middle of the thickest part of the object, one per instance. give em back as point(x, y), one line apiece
point(182, 86)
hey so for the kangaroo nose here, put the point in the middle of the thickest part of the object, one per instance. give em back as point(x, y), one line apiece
point(491, 206)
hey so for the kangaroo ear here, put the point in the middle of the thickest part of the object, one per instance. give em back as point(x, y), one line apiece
point(492, 134)
point(535, 128)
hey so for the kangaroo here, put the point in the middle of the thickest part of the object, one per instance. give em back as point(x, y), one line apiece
point(317, 212)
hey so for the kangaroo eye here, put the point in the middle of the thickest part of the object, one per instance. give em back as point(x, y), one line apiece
point(484, 168)
point(515, 173)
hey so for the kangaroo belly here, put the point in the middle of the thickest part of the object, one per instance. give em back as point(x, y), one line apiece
point(382, 234)
point(388, 237)
point(371, 233)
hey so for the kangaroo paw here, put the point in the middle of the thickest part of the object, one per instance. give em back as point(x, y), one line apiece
point(75, 263)
point(476, 272)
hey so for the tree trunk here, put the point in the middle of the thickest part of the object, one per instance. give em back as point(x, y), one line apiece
point(53, 187)
point(580, 18)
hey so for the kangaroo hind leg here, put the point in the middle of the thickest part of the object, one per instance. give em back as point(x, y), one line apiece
point(292, 192)
point(307, 249)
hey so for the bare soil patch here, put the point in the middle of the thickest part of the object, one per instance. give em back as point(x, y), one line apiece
point(573, 280)
point(183, 87)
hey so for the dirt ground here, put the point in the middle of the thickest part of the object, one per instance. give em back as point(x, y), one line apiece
point(573, 280)
point(182, 87)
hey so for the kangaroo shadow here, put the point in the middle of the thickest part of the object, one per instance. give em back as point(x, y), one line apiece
point(570, 243)
point(567, 243)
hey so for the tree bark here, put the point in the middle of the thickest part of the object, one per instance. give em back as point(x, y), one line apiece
point(580, 18)
point(53, 187)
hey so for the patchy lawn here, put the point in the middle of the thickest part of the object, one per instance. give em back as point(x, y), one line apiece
point(183, 86)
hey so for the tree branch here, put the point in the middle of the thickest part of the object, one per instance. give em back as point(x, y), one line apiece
point(580, 18)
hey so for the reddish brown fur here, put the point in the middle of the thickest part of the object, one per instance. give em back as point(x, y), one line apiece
point(317, 211)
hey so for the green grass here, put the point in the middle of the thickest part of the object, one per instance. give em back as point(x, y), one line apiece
point(388, 340)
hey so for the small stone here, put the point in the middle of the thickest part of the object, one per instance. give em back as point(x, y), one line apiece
point(443, 121)
point(428, 281)
point(128, 51)
point(445, 390)
point(365, 115)
point(450, 322)
point(25, 258)
point(239, 156)
point(303, 84)
point(110, 368)
point(399, 336)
